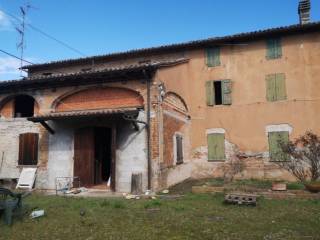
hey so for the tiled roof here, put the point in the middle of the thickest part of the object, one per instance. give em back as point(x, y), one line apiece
point(297, 28)
point(115, 70)
point(81, 114)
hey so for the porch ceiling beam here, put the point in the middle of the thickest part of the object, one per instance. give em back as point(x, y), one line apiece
point(46, 126)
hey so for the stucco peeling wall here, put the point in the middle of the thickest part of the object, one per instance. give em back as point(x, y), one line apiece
point(131, 155)
point(256, 165)
point(9, 144)
point(60, 163)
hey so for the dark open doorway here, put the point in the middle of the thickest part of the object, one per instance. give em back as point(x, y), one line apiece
point(102, 155)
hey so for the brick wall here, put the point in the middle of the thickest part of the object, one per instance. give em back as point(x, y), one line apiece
point(100, 98)
point(7, 109)
point(171, 126)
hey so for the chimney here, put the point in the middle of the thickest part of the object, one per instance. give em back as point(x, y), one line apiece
point(304, 11)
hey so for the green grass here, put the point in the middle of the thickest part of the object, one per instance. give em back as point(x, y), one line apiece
point(194, 216)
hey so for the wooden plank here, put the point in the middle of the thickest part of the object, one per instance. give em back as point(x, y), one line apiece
point(84, 155)
point(28, 149)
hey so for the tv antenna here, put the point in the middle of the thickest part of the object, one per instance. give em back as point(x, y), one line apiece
point(20, 28)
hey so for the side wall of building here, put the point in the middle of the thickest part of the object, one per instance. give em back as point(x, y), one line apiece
point(246, 120)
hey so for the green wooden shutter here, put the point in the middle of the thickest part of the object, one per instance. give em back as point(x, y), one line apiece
point(270, 49)
point(210, 93)
point(274, 49)
point(226, 92)
point(216, 149)
point(278, 48)
point(213, 57)
point(209, 57)
point(271, 87)
point(275, 150)
point(281, 92)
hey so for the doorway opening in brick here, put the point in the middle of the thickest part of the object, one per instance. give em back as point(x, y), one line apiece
point(102, 152)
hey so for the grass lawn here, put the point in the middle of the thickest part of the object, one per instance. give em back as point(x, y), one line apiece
point(194, 216)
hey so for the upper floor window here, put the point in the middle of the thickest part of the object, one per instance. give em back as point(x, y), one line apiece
point(18, 106)
point(218, 92)
point(213, 57)
point(276, 87)
point(23, 106)
point(274, 49)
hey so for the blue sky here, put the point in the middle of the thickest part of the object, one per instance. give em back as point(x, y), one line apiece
point(102, 26)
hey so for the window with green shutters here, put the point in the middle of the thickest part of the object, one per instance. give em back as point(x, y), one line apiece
point(218, 92)
point(276, 87)
point(274, 49)
point(213, 56)
point(275, 141)
point(216, 148)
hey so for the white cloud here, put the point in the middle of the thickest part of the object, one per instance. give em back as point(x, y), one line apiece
point(9, 68)
point(5, 23)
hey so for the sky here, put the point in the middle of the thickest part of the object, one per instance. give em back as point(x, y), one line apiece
point(96, 27)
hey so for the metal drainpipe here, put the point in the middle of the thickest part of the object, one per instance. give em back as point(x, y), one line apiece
point(148, 82)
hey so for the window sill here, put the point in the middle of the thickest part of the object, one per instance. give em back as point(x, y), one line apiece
point(29, 166)
point(213, 66)
point(219, 106)
point(275, 58)
point(220, 160)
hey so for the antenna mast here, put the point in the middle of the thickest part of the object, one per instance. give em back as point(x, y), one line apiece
point(21, 31)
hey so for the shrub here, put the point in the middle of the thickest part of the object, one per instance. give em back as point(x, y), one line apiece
point(304, 154)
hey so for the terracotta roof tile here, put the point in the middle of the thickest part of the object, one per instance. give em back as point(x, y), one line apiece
point(313, 26)
point(81, 114)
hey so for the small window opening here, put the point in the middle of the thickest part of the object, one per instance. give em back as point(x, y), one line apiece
point(179, 149)
point(23, 106)
point(218, 92)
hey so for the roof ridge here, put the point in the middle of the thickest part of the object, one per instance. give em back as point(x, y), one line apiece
point(181, 44)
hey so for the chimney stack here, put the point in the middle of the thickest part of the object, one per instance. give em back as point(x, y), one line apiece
point(304, 11)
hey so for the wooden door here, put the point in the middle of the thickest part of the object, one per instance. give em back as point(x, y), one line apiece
point(84, 155)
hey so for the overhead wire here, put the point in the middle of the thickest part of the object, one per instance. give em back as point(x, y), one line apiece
point(14, 56)
point(46, 34)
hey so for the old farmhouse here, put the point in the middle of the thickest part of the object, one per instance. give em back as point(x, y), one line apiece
point(169, 113)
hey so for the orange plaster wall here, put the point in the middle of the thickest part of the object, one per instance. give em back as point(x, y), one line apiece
point(246, 65)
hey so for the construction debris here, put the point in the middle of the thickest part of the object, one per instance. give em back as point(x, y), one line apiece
point(36, 214)
point(241, 199)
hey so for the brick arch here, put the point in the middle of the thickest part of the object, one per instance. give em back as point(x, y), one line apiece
point(7, 105)
point(173, 100)
point(98, 98)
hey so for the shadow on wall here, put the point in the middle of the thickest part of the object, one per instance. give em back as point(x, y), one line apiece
point(127, 134)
